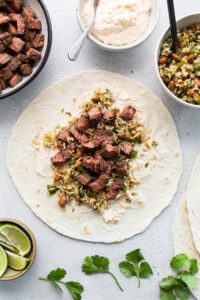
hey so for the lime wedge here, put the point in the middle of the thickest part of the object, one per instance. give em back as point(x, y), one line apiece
point(16, 262)
point(3, 261)
point(16, 238)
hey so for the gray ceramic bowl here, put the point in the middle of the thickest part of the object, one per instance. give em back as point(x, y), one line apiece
point(181, 23)
point(42, 13)
point(153, 21)
point(12, 274)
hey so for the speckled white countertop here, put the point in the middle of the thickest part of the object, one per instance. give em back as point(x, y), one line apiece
point(55, 250)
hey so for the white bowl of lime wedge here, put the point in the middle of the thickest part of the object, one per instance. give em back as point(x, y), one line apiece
point(17, 249)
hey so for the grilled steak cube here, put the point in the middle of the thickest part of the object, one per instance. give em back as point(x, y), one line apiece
point(95, 115)
point(91, 164)
point(22, 57)
point(109, 115)
point(3, 84)
point(16, 44)
point(33, 54)
point(16, 4)
point(4, 58)
point(63, 135)
point(121, 168)
point(4, 18)
point(15, 79)
point(88, 146)
point(38, 41)
point(25, 69)
point(114, 189)
point(80, 137)
point(82, 124)
point(32, 23)
point(102, 137)
point(125, 148)
point(58, 159)
point(109, 151)
point(84, 178)
point(6, 73)
point(14, 63)
point(127, 113)
point(2, 3)
point(99, 184)
point(19, 21)
point(27, 11)
point(2, 47)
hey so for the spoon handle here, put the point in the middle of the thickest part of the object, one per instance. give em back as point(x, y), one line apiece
point(76, 48)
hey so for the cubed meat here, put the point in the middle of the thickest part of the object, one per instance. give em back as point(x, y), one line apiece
point(82, 124)
point(15, 79)
point(88, 146)
point(109, 151)
point(127, 113)
point(33, 54)
point(63, 135)
point(99, 184)
point(121, 168)
point(25, 69)
point(17, 44)
point(4, 18)
point(58, 159)
point(22, 57)
point(109, 115)
point(3, 84)
point(19, 21)
point(125, 148)
point(84, 178)
point(7, 40)
point(2, 3)
point(114, 189)
point(80, 137)
point(32, 23)
point(4, 35)
point(95, 114)
point(91, 164)
point(27, 11)
point(6, 73)
point(4, 58)
point(102, 137)
point(38, 41)
point(14, 63)
point(2, 47)
point(12, 29)
point(16, 4)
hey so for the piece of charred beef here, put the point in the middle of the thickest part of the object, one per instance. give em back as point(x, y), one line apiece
point(27, 11)
point(95, 114)
point(89, 146)
point(33, 54)
point(91, 164)
point(102, 137)
point(4, 58)
point(33, 23)
point(6, 73)
point(14, 63)
point(121, 168)
point(109, 151)
point(19, 21)
point(127, 113)
point(63, 135)
point(4, 18)
point(99, 184)
point(125, 148)
point(80, 137)
point(84, 178)
point(25, 69)
point(16, 44)
point(3, 84)
point(114, 189)
point(60, 158)
point(109, 115)
point(15, 79)
point(83, 124)
point(16, 4)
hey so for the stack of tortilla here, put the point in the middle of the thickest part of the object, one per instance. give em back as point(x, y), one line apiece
point(186, 229)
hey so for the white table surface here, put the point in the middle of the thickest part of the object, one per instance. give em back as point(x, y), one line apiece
point(55, 250)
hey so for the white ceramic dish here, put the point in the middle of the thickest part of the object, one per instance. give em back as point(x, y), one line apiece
point(181, 23)
point(153, 21)
point(42, 13)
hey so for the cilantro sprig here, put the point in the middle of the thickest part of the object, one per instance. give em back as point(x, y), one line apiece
point(135, 266)
point(98, 264)
point(56, 276)
point(178, 287)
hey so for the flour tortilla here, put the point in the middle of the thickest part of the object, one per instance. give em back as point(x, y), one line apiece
point(193, 203)
point(155, 192)
point(183, 239)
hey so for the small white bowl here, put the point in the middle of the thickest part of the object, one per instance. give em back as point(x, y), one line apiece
point(152, 23)
point(181, 23)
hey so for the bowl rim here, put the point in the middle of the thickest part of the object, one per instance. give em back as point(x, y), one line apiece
point(44, 59)
point(163, 37)
point(32, 252)
point(113, 48)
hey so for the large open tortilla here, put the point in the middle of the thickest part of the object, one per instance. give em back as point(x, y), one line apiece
point(156, 191)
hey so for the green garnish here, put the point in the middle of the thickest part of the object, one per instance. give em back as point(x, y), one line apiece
point(52, 189)
point(98, 264)
point(72, 161)
point(62, 110)
point(134, 154)
point(135, 266)
point(56, 276)
point(180, 63)
point(178, 287)
point(196, 66)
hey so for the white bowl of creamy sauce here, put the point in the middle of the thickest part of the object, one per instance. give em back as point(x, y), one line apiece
point(119, 24)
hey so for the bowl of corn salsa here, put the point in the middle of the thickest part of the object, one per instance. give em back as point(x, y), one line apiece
point(179, 72)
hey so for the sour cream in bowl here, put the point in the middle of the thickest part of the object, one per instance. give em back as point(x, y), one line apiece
point(119, 24)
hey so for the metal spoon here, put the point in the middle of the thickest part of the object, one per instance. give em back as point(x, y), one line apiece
point(75, 49)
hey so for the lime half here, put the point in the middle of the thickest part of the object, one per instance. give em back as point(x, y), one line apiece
point(17, 238)
point(16, 262)
point(3, 261)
